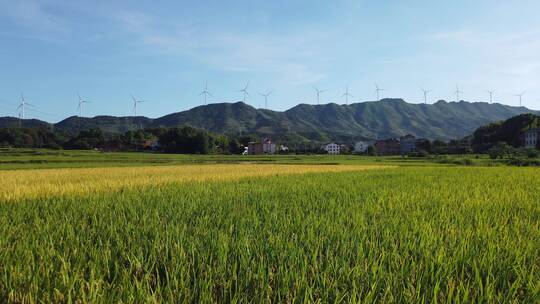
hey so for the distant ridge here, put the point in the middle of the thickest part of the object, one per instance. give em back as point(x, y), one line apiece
point(367, 120)
point(13, 122)
point(111, 124)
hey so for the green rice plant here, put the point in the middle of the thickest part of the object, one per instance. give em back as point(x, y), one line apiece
point(402, 235)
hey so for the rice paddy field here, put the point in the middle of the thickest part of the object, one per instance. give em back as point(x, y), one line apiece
point(82, 227)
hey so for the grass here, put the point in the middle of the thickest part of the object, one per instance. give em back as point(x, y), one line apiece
point(11, 159)
point(334, 233)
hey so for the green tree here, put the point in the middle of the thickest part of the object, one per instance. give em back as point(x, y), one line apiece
point(502, 151)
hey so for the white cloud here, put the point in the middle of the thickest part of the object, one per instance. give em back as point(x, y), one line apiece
point(507, 60)
point(287, 56)
point(32, 15)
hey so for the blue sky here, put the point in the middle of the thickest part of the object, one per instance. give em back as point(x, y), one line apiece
point(164, 53)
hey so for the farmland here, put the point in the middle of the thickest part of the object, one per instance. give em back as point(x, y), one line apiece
point(126, 227)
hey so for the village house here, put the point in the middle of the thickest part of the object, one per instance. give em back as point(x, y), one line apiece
point(407, 144)
point(389, 146)
point(268, 146)
point(264, 147)
point(332, 148)
point(151, 145)
point(530, 138)
point(361, 147)
point(283, 149)
point(255, 148)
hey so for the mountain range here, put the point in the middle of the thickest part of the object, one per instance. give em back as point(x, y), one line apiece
point(344, 123)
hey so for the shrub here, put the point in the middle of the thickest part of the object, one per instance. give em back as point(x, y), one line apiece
point(531, 153)
point(520, 162)
point(501, 150)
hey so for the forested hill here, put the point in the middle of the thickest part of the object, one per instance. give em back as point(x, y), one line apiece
point(366, 120)
point(386, 118)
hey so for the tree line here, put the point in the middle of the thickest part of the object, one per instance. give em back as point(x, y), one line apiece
point(187, 140)
point(496, 139)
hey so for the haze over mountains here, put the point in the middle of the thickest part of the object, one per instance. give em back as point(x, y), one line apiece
point(367, 120)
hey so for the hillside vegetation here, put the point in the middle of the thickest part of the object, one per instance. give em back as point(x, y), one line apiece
point(508, 131)
point(329, 122)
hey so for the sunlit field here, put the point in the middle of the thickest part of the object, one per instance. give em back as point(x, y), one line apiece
point(256, 232)
point(44, 183)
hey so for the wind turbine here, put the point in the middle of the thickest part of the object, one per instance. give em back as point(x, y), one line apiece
point(135, 102)
point(245, 91)
point(266, 98)
point(425, 94)
point(457, 92)
point(347, 95)
point(378, 91)
point(520, 97)
point(205, 92)
point(490, 96)
point(22, 106)
point(318, 95)
point(81, 102)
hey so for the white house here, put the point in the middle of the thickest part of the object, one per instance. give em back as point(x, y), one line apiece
point(332, 148)
point(531, 138)
point(361, 147)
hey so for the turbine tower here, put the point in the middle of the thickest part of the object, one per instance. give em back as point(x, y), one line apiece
point(266, 98)
point(378, 91)
point(22, 107)
point(490, 96)
point(81, 102)
point(520, 97)
point(318, 95)
point(135, 102)
point(425, 94)
point(245, 92)
point(457, 92)
point(347, 95)
point(205, 92)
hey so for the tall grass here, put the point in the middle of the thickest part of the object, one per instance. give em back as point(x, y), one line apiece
point(440, 235)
